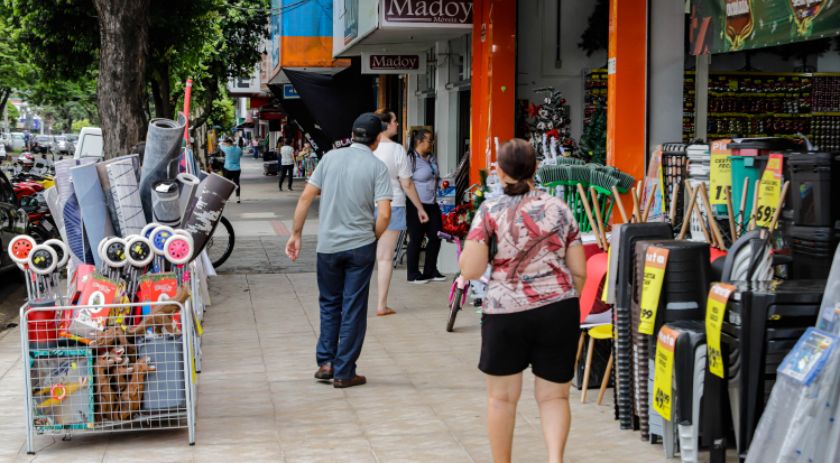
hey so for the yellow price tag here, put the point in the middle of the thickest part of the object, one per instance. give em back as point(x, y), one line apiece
point(656, 259)
point(663, 397)
point(769, 191)
point(607, 276)
point(715, 310)
point(720, 174)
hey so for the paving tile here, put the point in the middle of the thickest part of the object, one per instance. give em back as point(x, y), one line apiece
point(332, 450)
point(419, 448)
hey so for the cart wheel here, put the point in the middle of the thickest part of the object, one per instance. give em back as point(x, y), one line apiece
point(179, 249)
point(60, 250)
point(159, 236)
point(20, 247)
point(139, 251)
point(43, 259)
point(114, 253)
point(148, 229)
point(454, 307)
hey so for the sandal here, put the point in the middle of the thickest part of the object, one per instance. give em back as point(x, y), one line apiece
point(388, 311)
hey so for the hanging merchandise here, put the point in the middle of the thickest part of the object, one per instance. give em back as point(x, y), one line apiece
point(163, 146)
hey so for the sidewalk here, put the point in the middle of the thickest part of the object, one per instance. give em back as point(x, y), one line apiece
point(257, 401)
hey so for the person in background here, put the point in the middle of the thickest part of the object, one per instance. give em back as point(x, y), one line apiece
point(399, 171)
point(232, 169)
point(530, 314)
point(425, 175)
point(255, 147)
point(287, 163)
point(352, 184)
point(308, 159)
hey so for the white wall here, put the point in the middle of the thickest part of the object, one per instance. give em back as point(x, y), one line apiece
point(667, 65)
point(537, 31)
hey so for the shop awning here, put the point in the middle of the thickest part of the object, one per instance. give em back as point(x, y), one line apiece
point(333, 101)
point(296, 110)
point(721, 27)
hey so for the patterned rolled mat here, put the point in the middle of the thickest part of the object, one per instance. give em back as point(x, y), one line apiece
point(188, 186)
point(160, 160)
point(165, 203)
point(123, 193)
point(67, 203)
point(94, 212)
point(205, 210)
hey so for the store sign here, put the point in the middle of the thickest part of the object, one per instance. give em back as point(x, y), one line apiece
point(731, 25)
point(393, 63)
point(289, 92)
point(427, 12)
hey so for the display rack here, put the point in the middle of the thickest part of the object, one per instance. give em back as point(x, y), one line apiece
point(595, 92)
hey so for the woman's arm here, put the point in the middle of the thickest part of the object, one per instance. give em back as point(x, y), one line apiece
point(576, 261)
point(474, 259)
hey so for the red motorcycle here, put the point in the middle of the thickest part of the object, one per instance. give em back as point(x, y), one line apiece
point(40, 224)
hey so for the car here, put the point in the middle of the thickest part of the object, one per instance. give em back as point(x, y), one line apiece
point(62, 145)
point(12, 220)
point(2, 152)
point(16, 142)
point(42, 144)
point(89, 144)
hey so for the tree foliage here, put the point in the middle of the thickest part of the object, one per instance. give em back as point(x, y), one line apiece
point(596, 36)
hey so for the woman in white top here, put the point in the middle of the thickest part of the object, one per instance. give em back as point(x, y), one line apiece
point(399, 170)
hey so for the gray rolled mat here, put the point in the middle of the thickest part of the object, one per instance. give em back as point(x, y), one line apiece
point(72, 233)
point(205, 210)
point(94, 213)
point(165, 203)
point(163, 146)
point(122, 193)
point(189, 185)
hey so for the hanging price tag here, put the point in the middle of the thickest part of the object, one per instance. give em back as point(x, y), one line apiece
point(715, 310)
point(656, 259)
point(769, 191)
point(663, 375)
point(720, 174)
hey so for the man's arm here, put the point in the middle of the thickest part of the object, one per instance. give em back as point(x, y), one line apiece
point(302, 209)
point(411, 193)
point(383, 216)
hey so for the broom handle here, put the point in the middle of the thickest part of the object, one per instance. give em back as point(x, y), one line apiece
point(778, 212)
point(619, 204)
point(744, 193)
point(712, 221)
point(672, 214)
point(582, 195)
point(596, 207)
point(733, 230)
point(702, 221)
point(636, 214)
point(650, 202)
point(754, 204)
point(688, 211)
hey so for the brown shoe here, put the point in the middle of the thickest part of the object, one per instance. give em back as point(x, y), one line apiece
point(357, 380)
point(325, 372)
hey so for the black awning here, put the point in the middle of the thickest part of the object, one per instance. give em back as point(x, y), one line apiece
point(335, 101)
point(298, 112)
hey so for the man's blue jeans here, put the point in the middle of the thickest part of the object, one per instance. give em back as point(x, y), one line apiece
point(344, 284)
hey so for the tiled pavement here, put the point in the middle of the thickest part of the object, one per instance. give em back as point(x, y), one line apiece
point(257, 400)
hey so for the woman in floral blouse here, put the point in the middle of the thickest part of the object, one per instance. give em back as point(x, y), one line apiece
point(531, 314)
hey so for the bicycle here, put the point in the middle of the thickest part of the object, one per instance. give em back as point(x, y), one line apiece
point(220, 245)
point(459, 290)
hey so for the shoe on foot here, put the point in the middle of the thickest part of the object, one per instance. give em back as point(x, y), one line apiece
point(238, 201)
point(439, 277)
point(418, 281)
point(325, 372)
point(356, 380)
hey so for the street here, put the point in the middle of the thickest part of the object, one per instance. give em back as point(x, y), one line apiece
point(257, 401)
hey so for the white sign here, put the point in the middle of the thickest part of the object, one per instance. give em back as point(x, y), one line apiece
point(429, 13)
point(393, 63)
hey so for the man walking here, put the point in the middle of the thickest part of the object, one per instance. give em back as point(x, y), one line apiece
point(352, 183)
point(287, 163)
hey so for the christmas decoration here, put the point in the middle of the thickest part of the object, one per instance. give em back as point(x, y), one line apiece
point(593, 142)
point(549, 126)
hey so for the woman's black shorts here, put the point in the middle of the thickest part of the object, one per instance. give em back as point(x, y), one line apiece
point(545, 338)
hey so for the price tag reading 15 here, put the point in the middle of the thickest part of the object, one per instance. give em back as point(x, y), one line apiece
point(656, 259)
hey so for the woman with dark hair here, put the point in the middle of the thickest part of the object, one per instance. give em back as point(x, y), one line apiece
point(531, 314)
point(394, 157)
point(425, 174)
point(232, 169)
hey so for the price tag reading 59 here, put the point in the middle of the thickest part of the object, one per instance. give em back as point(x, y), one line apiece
point(656, 259)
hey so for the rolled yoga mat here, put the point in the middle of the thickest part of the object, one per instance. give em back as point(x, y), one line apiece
point(67, 203)
point(165, 203)
point(94, 211)
point(160, 160)
point(124, 193)
point(205, 210)
point(189, 185)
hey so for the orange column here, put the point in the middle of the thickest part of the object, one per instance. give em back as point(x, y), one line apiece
point(627, 88)
point(493, 80)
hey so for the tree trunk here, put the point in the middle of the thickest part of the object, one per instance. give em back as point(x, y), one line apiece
point(4, 98)
point(120, 92)
point(161, 93)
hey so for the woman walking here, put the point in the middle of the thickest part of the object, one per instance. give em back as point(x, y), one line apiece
point(395, 158)
point(425, 174)
point(232, 169)
point(531, 314)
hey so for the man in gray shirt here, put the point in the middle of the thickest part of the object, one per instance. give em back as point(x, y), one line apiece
point(352, 183)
